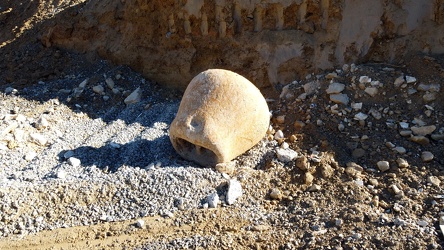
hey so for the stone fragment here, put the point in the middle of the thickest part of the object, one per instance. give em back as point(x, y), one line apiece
point(365, 79)
point(335, 88)
point(221, 116)
point(437, 137)
point(134, 97)
point(279, 135)
point(30, 155)
point(339, 98)
point(39, 139)
point(383, 165)
point(99, 89)
point(427, 156)
point(424, 130)
point(399, 81)
point(11, 91)
point(400, 150)
point(402, 163)
point(358, 153)
point(434, 180)
point(360, 116)
point(140, 223)
point(234, 191)
point(356, 106)
point(372, 91)
point(41, 123)
point(286, 155)
point(429, 97)
point(275, 194)
point(311, 87)
point(74, 161)
point(110, 83)
point(213, 200)
point(314, 188)
point(308, 178)
point(420, 139)
point(61, 174)
point(410, 79)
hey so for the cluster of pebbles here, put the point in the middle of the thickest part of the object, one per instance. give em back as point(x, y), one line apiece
point(75, 152)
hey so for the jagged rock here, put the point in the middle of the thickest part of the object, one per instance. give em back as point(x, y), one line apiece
point(234, 191)
point(134, 97)
point(339, 98)
point(424, 130)
point(335, 88)
point(221, 116)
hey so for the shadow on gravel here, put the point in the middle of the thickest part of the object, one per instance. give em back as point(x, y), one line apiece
point(139, 153)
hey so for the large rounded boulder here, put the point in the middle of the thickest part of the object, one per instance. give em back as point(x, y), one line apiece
point(221, 116)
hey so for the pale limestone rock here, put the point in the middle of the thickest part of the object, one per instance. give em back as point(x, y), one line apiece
point(335, 88)
point(221, 116)
point(340, 98)
point(234, 191)
point(424, 130)
point(134, 97)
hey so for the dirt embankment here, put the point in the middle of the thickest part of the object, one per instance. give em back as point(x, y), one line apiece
point(269, 42)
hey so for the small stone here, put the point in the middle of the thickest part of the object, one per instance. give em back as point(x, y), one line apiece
point(30, 156)
point(402, 163)
point(234, 191)
point(353, 169)
point(360, 116)
point(339, 98)
point(365, 79)
point(302, 163)
point(314, 188)
point(280, 119)
point(61, 174)
point(341, 127)
point(110, 83)
point(299, 124)
point(383, 165)
point(226, 167)
point(404, 125)
point(105, 97)
point(437, 137)
point(311, 87)
point(134, 97)
point(11, 91)
point(335, 88)
point(285, 145)
point(410, 79)
point(213, 200)
point(275, 194)
point(41, 123)
point(39, 139)
point(399, 222)
point(420, 139)
point(372, 91)
point(422, 223)
point(434, 180)
point(399, 81)
point(400, 150)
point(260, 228)
point(424, 130)
point(286, 155)
point(74, 161)
point(279, 135)
point(405, 133)
point(308, 178)
point(140, 223)
point(356, 106)
point(338, 222)
point(82, 85)
point(68, 154)
point(395, 189)
point(427, 156)
point(358, 153)
point(429, 97)
point(99, 89)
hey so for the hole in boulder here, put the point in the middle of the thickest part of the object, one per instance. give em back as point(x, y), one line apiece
point(196, 153)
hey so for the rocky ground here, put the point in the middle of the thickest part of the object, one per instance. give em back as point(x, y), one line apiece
point(353, 159)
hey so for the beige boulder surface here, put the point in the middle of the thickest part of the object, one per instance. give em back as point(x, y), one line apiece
point(221, 116)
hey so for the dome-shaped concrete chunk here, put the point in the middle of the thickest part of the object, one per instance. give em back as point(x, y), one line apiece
point(221, 116)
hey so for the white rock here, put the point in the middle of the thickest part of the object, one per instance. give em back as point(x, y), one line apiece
point(134, 97)
point(275, 194)
point(340, 98)
point(213, 200)
point(383, 165)
point(410, 79)
point(140, 223)
point(41, 123)
point(30, 156)
point(335, 88)
point(74, 162)
point(365, 79)
point(404, 125)
point(286, 155)
point(400, 150)
point(19, 135)
point(422, 223)
point(360, 116)
point(39, 139)
point(61, 174)
point(234, 191)
point(278, 135)
point(372, 91)
point(434, 180)
point(356, 106)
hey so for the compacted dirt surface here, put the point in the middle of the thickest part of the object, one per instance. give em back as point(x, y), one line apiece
point(353, 159)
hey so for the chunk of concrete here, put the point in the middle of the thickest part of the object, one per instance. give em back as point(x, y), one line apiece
point(221, 116)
